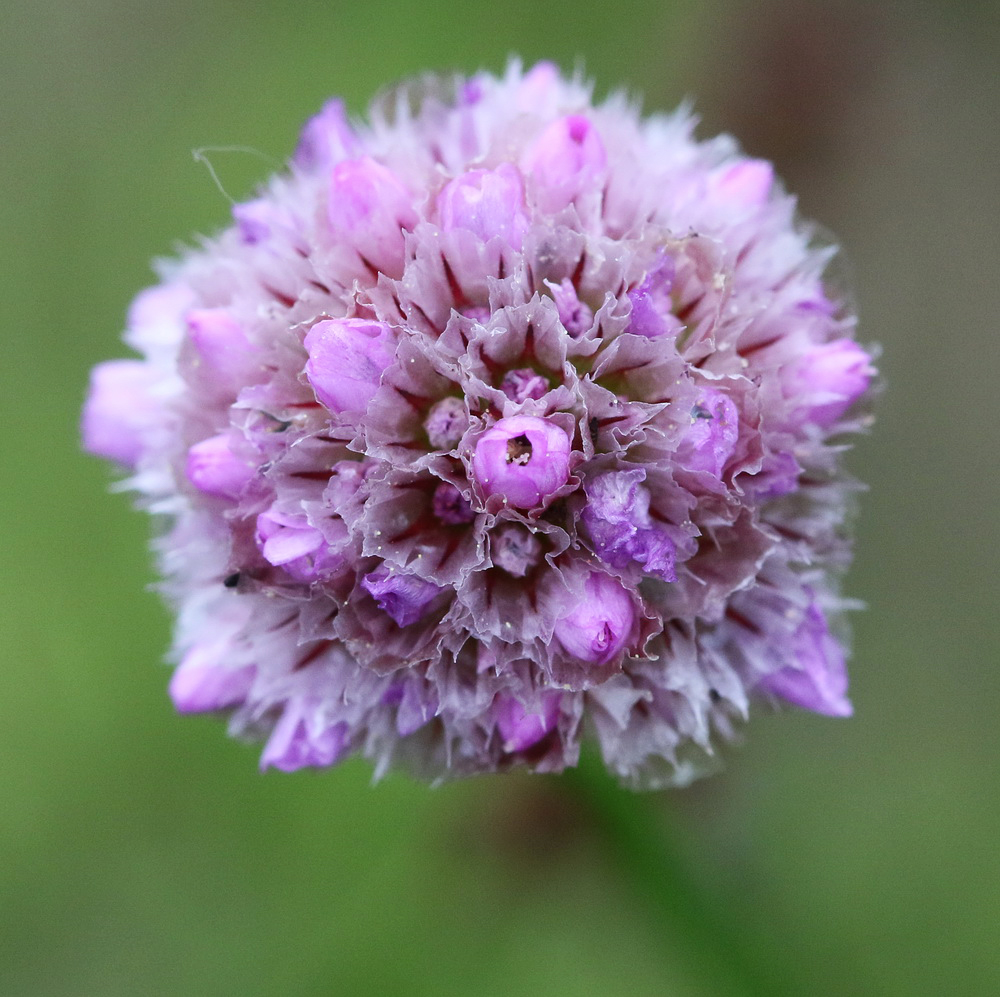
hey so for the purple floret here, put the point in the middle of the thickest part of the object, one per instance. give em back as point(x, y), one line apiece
point(617, 517)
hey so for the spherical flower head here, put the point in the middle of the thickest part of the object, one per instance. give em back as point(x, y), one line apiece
point(524, 459)
point(503, 420)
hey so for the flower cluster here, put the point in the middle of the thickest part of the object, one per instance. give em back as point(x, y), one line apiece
point(499, 421)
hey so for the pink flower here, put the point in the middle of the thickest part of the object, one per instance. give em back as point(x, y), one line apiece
point(523, 458)
point(817, 679)
point(711, 435)
point(301, 740)
point(491, 425)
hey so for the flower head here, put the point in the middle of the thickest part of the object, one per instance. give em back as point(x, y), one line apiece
point(502, 418)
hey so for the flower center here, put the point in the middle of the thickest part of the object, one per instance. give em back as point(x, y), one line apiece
point(519, 450)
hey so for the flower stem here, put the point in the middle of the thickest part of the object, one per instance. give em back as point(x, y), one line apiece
point(645, 851)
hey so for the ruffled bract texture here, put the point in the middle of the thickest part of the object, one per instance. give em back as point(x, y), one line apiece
point(500, 421)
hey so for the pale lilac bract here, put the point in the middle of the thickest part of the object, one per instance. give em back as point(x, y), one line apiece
point(501, 421)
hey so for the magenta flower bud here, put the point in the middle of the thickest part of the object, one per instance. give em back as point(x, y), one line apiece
point(566, 160)
point(200, 684)
point(523, 458)
point(450, 506)
point(257, 220)
point(283, 538)
point(521, 727)
point(747, 183)
point(222, 351)
point(119, 410)
point(711, 434)
point(818, 681)
point(832, 377)
point(597, 627)
point(370, 206)
point(346, 360)
point(617, 517)
point(326, 138)
point(214, 469)
point(575, 315)
point(488, 203)
point(303, 739)
point(652, 306)
point(524, 383)
point(539, 86)
point(446, 423)
point(516, 550)
point(289, 542)
point(403, 596)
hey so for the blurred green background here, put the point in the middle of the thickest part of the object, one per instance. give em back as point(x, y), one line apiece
point(142, 853)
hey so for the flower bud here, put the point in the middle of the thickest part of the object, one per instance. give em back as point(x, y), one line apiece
point(598, 625)
point(519, 727)
point(524, 383)
point(617, 518)
point(200, 684)
point(539, 87)
point(450, 506)
point(346, 361)
point(832, 377)
point(222, 352)
point(153, 319)
point(118, 410)
point(575, 315)
point(214, 469)
point(256, 220)
point(403, 596)
point(446, 423)
point(326, 137)
point(487, 203)
point(566, 160)
point(746, 183)
point(711, 435)
point(515, 549)
point(302, 738)
point(652, 307)
point(818, 681)
point(371, 207)
point(289, 542)
point(523, 458)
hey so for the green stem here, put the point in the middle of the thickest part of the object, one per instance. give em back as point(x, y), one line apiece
point(645, 851)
